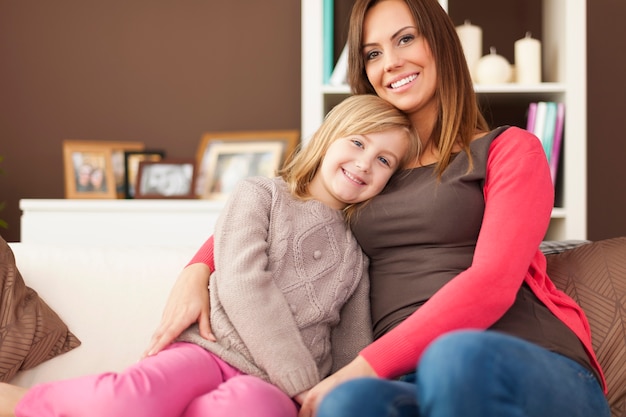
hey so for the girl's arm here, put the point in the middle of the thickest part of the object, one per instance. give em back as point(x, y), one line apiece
point(245, 286)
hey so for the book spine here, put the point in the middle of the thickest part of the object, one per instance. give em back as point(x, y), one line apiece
point(549, 125)
point(530, 118)
point(558, 141)
point(328, 41)
point(540, 121)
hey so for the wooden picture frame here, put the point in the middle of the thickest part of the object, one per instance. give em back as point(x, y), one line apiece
point(88, 170)
point(167, 178)
point(115, 162)
point(131, 167)
point(119, 168)
point(290, 138)
point(229, 162)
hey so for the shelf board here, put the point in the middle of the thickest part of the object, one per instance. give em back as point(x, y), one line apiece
point(509, 88)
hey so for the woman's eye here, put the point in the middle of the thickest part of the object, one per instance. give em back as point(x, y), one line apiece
point(406, 39)
point(371, 55)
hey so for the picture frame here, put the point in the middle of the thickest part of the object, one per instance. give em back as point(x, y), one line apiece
point(88, 170)
point(115, 160)
point(119, 168)
point(290, 139)
point(167, 178)
point(131, 167)
point(229, 162)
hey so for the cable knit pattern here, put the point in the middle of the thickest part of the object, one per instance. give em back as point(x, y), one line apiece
point(287, 270)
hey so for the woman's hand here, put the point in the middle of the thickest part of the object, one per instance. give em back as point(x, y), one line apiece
point(355, 369)
point(187, 303)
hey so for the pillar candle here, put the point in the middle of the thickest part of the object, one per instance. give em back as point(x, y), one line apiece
point(471, 37)
point(493, 69)
point(528, 60)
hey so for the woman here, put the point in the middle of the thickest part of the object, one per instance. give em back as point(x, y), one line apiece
point(466, 320)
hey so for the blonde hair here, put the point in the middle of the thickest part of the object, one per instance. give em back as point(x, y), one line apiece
point(360, 114)
point(459, 114)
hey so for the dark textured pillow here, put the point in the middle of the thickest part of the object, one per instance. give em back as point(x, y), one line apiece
point(30, 331)
point(594, 275)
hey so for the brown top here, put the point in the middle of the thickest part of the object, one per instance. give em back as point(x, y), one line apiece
point(412, 257)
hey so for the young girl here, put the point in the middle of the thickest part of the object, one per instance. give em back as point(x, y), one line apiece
point(288, 270)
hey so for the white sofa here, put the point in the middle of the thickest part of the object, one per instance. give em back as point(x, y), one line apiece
point(111, 298)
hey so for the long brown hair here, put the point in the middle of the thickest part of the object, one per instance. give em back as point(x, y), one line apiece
point(358, 114)
point(459, 114)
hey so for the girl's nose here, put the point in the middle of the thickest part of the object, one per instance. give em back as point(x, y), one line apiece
point(362, 164)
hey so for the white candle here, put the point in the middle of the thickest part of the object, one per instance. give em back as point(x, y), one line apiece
point(528, 60)
point(493, 69)
point(471, 37)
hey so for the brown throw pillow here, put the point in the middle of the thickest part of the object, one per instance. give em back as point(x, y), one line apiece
point(30, 331)
point(594, 275)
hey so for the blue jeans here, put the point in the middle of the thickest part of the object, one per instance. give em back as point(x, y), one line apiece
point(476, 373)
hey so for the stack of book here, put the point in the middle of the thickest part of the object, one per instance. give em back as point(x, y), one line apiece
point(545, 120)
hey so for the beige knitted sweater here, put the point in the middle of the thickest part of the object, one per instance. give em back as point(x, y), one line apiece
point(290, 295)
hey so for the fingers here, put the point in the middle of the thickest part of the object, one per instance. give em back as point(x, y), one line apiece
point(204, 325)
point(307, 409)
point(161, 339)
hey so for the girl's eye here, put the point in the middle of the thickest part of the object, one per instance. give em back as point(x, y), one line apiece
point(384, 160)
point(357, 143)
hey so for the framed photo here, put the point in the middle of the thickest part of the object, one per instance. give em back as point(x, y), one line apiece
point(119, 167)
point(167, 178)
point(115, 163)
point(88, 170)
point(289, 138)
point(229, 162)
point(131, 167)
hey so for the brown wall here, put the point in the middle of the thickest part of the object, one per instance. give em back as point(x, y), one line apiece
point(160, 72)
point(606, 104)
point(163, 73)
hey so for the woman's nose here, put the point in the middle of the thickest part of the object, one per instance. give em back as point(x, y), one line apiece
point(392, 61)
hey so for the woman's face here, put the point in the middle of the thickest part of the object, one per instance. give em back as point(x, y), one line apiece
point(398, 60)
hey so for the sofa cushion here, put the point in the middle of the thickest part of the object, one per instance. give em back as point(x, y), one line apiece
point(594, 274)
point(30, 331)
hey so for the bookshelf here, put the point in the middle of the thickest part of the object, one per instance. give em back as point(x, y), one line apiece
point(564, 62)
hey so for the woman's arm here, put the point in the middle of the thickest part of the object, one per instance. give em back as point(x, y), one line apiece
point(519, 196)
point(358, 368)
point(188, 302)
point(518, 201)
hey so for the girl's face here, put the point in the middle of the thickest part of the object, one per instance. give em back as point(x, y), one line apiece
point(398, 61)
point(357, 167)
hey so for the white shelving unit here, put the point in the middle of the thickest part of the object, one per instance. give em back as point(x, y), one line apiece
point(131, 222)
point(564, 60)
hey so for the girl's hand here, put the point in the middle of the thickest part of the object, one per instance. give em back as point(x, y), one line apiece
point(355, 369)
point(187, 303)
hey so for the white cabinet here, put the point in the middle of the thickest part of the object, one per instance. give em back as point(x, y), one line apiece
point(564, 60)
point(132, 222)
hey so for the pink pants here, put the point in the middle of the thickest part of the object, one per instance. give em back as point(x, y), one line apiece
point(183, 380)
